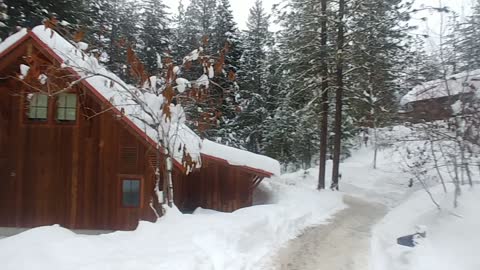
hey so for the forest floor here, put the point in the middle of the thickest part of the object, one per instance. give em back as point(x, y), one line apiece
point(343, 244)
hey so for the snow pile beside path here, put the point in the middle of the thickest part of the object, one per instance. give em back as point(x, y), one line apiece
point(207, 240)
point(452, 234)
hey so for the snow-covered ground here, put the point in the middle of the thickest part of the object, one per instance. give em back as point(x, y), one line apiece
point(388, 184)
point(452, 234)
point(205, 240)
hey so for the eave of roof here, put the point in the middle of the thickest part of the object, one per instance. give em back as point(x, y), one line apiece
point(256, 171)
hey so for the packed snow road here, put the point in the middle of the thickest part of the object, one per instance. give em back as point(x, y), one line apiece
point(343, 244)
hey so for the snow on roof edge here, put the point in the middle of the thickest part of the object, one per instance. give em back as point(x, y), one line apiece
point(238, 157)
point(464, 82)
point(11, 40)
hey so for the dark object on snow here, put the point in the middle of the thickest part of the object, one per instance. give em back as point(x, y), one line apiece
point(406, 240)
point(409, 240)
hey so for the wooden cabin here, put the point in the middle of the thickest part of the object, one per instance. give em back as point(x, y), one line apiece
point(434, 100)
point(77, 160)
point(439, 108)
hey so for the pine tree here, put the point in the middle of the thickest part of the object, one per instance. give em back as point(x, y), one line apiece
point(468, 48)
point(303, 58)
point(155, 34)
point(278, 142)
point(339, 94)
point(30, 13)
point(209, 26)
point(306, 138)
point(253, 78)
point(3, 15)
point(180, 37)
point(377, 55)
point(225, 37)
point(198, 23)
point(115, 25)
point(103, 15)
point(379, 40)
point(420, 67)
point(324, 95)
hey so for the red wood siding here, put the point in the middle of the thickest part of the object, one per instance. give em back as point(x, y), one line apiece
point(70, 174)
point(216, 186)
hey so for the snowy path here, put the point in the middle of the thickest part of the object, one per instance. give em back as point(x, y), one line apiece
point(343, 244)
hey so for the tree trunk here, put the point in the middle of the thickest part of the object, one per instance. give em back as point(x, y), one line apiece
point(375, 139)
point(338, 98)
point(324, 94)
point(169, 180)
point(157, 205)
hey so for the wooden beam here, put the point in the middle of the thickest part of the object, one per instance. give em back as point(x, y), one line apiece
point(256, 181)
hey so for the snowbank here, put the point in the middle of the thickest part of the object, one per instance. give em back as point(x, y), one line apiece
point(239, 157)
point(205, 240)
point(465, 82)
point(452, 234)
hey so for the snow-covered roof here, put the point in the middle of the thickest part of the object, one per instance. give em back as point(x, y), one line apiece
point(236, 156)
point(113, 90)
point(465, 82)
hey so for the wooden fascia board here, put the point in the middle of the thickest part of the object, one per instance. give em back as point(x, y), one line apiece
point(248, 169)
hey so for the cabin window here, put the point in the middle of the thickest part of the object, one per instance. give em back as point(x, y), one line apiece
point(38, 106)
point(131, 192)
point(67, 107)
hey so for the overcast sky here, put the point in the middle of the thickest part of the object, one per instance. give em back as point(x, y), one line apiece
point(432, 26)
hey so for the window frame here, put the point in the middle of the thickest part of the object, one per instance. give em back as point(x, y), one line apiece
point(138, 178)
point(52, 109)
point(65, 108)
point(27, 106)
